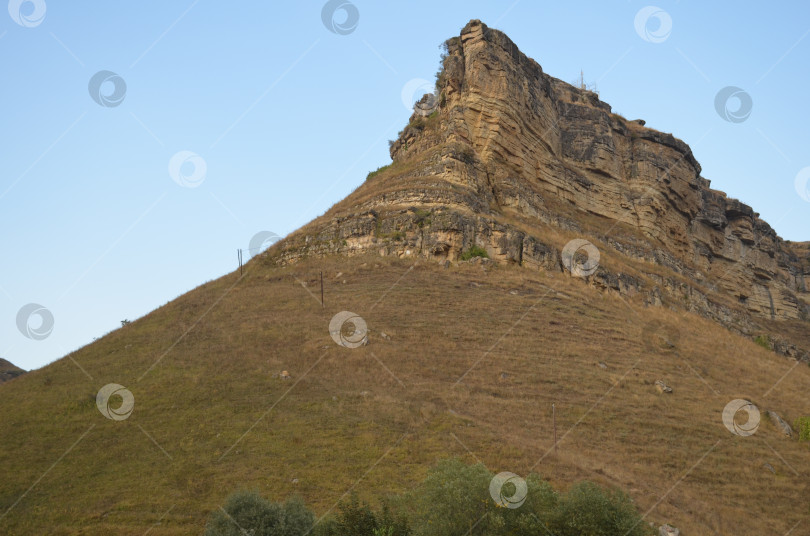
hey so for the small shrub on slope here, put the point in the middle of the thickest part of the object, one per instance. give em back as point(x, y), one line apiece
point(248, 511)
point(474, 251)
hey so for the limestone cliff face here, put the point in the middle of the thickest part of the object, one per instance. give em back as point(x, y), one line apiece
point(510, 159)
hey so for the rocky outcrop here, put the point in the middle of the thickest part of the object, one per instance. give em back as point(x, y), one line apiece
point(667, 530)
point(662, 387)
point(780, 423)
point(506, 158)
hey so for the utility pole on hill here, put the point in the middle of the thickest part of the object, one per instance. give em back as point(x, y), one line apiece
point(554, 419)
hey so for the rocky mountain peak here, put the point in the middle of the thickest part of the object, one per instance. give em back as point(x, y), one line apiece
point(508, 160)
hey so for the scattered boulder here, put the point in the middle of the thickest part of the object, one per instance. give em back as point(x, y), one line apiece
point(385, 336)
point(780, 423)
point(602, 365)
point(668, 530)
point(769, 467)
point(662, 387)
point(483, 261)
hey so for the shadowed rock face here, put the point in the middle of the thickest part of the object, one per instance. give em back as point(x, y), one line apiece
point(510, 159)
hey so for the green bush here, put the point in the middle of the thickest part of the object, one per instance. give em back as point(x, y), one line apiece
point(450, 501)
point(358, 519)
point(764, 341)
point(422, 217)
point(474, 251)
point(802, 426)
point(454, 499)
point(430, 122)
point(248, 512)
point(380, 169)
point(588, 510)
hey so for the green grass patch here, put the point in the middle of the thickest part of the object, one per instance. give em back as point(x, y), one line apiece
point(764, 341)
point(802, 426)
point(474, 251)
point(377, 171)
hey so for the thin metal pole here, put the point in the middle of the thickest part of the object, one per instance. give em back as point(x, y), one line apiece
point(554, 418)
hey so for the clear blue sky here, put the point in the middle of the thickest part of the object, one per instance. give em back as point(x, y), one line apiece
point(289, 117)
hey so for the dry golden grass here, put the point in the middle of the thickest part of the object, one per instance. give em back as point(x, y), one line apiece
point(374, 419)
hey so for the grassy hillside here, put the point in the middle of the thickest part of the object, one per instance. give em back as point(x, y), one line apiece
point(8, 370)
point(212, 416)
